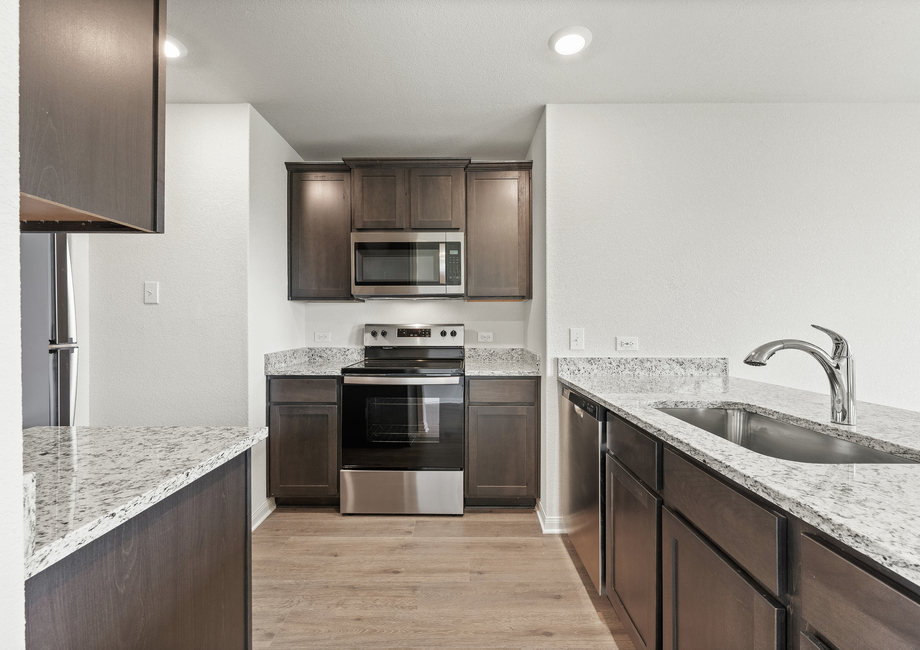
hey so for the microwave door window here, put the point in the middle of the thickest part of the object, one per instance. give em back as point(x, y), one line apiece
point(383, 264)
point(428, 265)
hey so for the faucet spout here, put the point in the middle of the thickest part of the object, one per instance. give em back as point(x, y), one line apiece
point(839, 369)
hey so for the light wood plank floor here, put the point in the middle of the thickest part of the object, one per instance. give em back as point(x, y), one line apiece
point(484, 580)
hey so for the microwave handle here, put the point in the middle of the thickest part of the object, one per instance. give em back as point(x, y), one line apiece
point(442, 253)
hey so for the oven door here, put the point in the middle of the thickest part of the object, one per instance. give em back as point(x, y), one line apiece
point(402, 422)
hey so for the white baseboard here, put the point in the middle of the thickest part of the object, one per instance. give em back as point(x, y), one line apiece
point(550, 525)
point(261, 513)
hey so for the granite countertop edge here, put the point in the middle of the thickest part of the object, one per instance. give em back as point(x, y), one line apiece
point(807, 491)
point(56, 550)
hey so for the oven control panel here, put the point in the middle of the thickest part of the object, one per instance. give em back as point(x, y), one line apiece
point(450, 335)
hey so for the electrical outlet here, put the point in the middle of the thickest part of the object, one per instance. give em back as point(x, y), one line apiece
point(485, 337)
point(576, 338)
point(322, 337)
point(152, 293)
point(627, 343)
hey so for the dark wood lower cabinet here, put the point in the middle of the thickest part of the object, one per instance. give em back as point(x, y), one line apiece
point(502, 452)
point(633, 555)
point(178, 576)
point(303, 449)
point(850, 606)
point(502, 465)
point(708, 603)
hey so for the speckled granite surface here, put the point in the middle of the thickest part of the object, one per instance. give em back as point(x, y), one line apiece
point(91, 479)
point(872, 508)
point(312, 361)
point(498, 362)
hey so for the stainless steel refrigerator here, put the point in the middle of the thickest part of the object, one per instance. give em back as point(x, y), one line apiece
point(49, 331)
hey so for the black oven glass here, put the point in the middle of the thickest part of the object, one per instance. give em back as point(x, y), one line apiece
point(402, 427)
point(397, 263)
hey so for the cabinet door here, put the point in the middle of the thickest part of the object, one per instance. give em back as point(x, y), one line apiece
point(707, 601)
point(502, 452)
point(380, 197)
point(303, 450)
point(498, 239)
point(319, 242)
point(851, 606)
point(437, 198)
point(92, 114)
point(633, 548)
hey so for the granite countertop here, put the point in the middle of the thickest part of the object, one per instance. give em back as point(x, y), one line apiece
point(89, 480)
point(872, 508)
point(501, 362)
point(329, 361)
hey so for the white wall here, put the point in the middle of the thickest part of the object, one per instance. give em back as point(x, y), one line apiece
point(346, 320)
point(708, 229)
point(274, 322)
point(183, 361)
point(12, 595)
point(535, 326)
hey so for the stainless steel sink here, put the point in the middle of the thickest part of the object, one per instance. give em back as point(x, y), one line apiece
point(779, 439)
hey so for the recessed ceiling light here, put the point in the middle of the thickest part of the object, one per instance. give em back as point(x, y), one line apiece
point(570, 40)
point(173, 48)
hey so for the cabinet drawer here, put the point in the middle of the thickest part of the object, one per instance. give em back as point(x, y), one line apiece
point(752, 535)
point(852, 607)
point(503, 391)
point(808, 641)
point(303, 390)
point(636, 450)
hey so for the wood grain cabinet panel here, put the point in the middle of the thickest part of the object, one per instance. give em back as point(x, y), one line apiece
point(302, 390)
point(503, 391)
point(319, 234)
point(502, 452)
point(638, 451)
point(303, 450)
point(92, 114)
point(380, 198)
point(633, 547)
point(752, 535)
point(852, 607)
point(177, 575)
point(437, 199)
point(707, 601)
point(499, 234)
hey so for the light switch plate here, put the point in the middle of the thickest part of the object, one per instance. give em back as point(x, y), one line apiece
point(627, 343)
point(151, 293)
point(322, 337)
point(576, 338)
point(485, 337)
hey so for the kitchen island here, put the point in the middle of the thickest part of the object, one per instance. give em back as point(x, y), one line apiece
point(845, 550)
point(141, 537)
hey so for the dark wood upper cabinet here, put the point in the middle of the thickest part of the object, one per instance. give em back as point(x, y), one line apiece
point(408, 193)
point(437, 199)
point(498, 231)
point(92, 115)
point(319, 232)
point(380, 198)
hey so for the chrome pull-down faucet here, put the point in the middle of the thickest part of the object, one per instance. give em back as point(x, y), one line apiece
point(838, 366)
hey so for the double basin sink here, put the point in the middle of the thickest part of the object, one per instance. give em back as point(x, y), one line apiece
point(771, 437)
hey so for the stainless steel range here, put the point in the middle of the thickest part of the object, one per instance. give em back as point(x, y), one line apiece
point(402, 422)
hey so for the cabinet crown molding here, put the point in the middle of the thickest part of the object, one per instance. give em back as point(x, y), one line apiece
point(406, 162)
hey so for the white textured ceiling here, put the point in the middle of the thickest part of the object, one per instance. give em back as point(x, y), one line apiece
point(470, 77)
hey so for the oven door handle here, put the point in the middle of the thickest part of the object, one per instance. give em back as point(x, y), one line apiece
point(401, 381)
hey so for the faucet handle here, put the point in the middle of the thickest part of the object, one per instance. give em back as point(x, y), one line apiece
point(841, 347)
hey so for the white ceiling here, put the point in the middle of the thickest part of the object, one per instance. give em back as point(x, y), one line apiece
point(470, 77)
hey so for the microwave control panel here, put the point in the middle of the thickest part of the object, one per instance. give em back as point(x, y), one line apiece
point(454, 263)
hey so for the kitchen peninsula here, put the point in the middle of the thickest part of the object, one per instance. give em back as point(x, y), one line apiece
point(140, 537)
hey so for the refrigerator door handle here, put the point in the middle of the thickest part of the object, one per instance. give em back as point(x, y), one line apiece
point(54, 347)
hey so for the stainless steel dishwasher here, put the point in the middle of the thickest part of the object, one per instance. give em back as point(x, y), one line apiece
point(581, 452)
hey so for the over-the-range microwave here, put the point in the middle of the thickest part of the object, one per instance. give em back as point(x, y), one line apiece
point(407, 264)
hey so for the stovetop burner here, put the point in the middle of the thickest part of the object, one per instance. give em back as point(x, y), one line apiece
point(411, 350)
